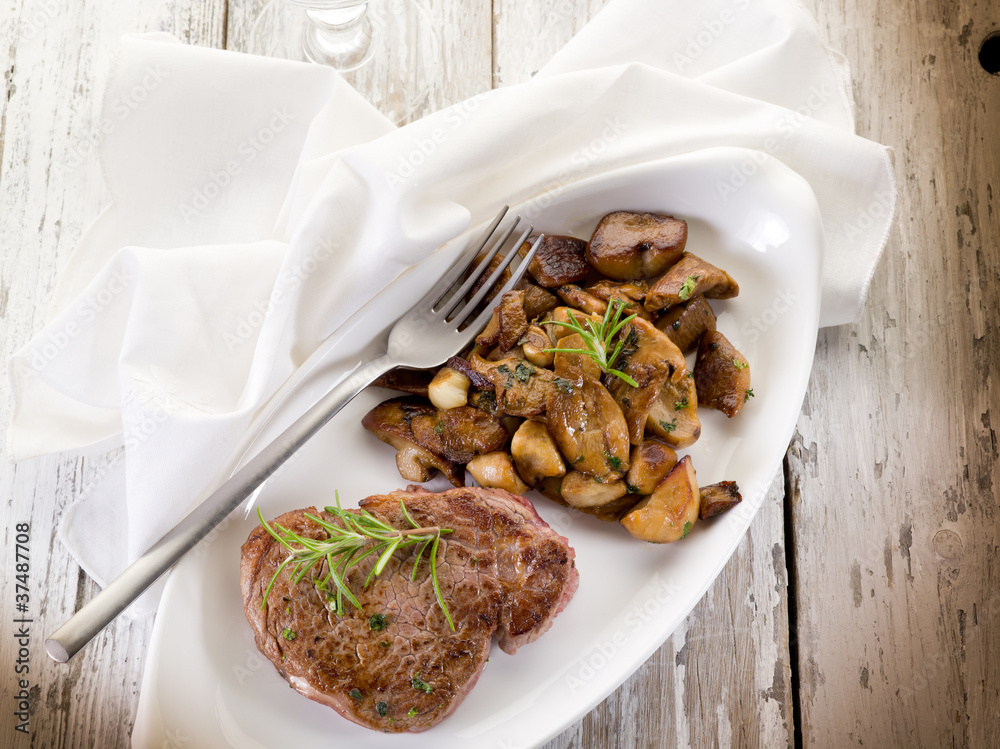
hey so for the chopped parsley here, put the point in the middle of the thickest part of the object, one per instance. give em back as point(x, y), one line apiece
point(676, 325)
point(564, 385)
point(668, 426)
point(682, 403)
point(631, 489)
point(489, 401)
point(740, 364)
point(288, 634)
point(385, 644)
point(578, 459)
point(356, 694)
point(419, 684)
point(505, 371)
point(687, 288)
point(439, 427)
point(613, 460)
point(377, 622)
point(381, 708)
point(686, 530)
point(749, 395)
point(412, 713)
point(523, 371)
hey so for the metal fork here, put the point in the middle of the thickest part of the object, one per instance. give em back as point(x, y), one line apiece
point(439, 326)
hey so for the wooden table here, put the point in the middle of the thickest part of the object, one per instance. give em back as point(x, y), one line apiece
point(863, 606)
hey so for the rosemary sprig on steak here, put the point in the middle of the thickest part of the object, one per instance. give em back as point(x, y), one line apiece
point(360, 536)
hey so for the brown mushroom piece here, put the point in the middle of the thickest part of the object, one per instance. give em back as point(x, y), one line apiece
point(690, 277)
point(558, 260)
point(627, 245)
point(583, 418)
point(650, 359)
point(582, 300)
point(583, 491)
point(521, 388)
point(413, 381)
point(685, 323)
point(717, 498)
point(669, 513)
point(651, 462)
point(495, 470)
point(507, 324)
point(535, 454)
point(459, 434)
point(631, 294)
point(721, 374)
point(391, 422)
point(537, 301)
point(674, 414)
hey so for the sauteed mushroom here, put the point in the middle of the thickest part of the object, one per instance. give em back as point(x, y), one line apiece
point(496, 471)
point(459, 434)
point(651, 462)
point(690, 277)
point(391, 422)
point(670, 511)
point(721, 374)
point(718, 498)
point(684, 323)
point(650, 359)
point(628, 245)
point(583, 418)
point(521, 387)
point(535, 453)
point(558, 260)
point(673, 416)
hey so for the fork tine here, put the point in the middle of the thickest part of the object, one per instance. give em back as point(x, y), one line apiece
point(462, 262)
point(459, 295)
point(515, 276)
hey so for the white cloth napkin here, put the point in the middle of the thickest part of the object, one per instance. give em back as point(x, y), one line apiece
point(257, 202)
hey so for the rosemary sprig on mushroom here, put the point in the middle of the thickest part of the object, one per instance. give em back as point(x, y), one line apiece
point(600, 339)
point(360, 536)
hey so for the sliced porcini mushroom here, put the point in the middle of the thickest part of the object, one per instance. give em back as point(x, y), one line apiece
point(673, 416)
point(537, 301)
point(535, 344)
point(584, 301)
point(583, 490)
point(721, 374)
point(449, 389)
point(650, 359)
point(459, 434)
point(391, 422)
point(583, 418)
point(496, 470)
point(507, 324)
point(651, 462)
point(669, 513)
point(690, 277)
point(717, 498)
point(485, 275)
point(628, 245)
point(630, 293)
point(535, 454)
point(551, 321)
point(521, 388)
point(413, 381)
point(558, 260)
point(685, 323)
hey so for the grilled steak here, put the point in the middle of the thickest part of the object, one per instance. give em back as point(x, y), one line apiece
point(395, 665)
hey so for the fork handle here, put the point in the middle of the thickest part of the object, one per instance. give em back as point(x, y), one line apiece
point(103, 608)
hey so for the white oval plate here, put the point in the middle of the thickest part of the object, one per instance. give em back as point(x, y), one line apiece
point(205, 684)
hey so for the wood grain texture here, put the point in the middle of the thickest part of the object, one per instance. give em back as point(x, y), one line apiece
point(55, 59)
point(895, 462)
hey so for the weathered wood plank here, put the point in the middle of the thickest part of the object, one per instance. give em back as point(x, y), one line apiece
point(895, 463)
point(55, 58)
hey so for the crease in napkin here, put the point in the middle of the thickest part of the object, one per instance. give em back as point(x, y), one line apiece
point(258, 202)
